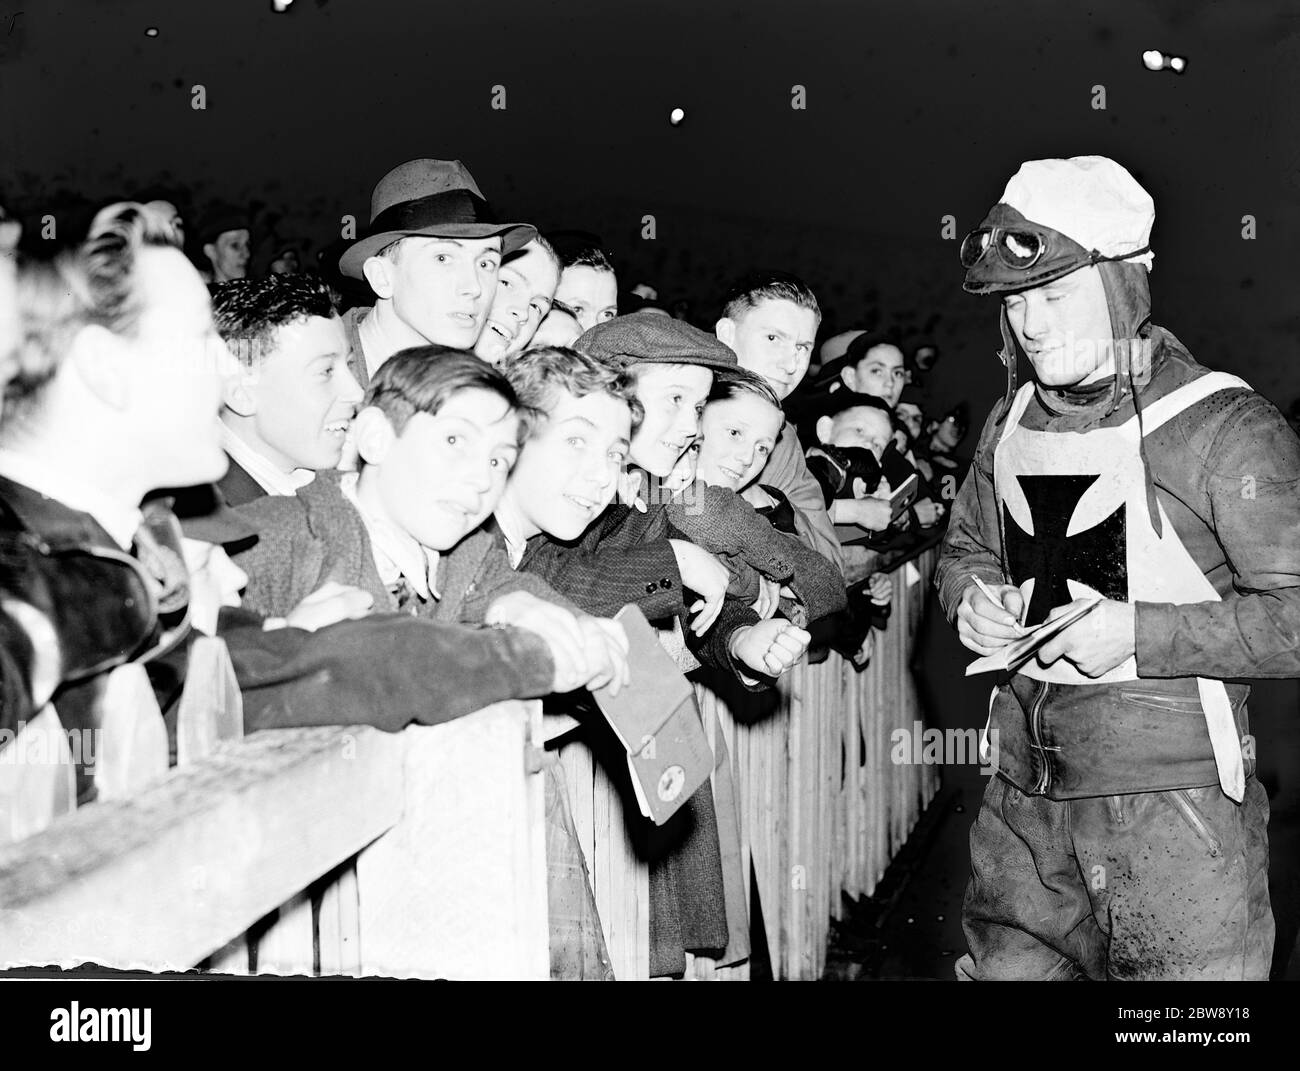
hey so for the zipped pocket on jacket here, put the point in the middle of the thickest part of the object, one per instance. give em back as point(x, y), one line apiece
point(1164, 701)
point(1183, 804)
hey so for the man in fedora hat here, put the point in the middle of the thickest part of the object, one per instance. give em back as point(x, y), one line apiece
point(431, 255)
point(1124, 835)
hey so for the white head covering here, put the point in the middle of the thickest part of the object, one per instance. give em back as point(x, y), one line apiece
point(1091, 199)
point(836, 346)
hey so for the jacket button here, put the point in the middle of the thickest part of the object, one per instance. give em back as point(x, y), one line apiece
point(665, 583)
point(650, 588)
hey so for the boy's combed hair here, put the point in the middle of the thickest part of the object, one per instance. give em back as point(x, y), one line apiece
point(859, 348)
point(751, 290)
point(93, 284)
point(546, 247)
point(537, 374)
point(731, 382)
point(422, 379)
point(589, 256)
point(249, 311)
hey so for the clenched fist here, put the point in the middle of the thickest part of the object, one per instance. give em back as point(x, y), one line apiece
point(769, 647)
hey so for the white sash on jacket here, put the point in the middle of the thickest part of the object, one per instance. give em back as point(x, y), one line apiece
point(1159, 568)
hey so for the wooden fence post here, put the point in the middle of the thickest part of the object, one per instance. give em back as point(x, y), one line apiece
point(338, 925)
point(620, 880)
point(457, 888)
point(37, 779)
point(211, 708)
point(286, 947)
point(131, 749)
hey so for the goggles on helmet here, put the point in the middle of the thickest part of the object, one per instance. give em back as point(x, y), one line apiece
point(1020, 249)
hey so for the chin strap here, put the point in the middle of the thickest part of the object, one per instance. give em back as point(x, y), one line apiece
point(1007, 355)
point(1132, 353)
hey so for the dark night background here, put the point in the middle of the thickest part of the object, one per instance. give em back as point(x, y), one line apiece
point(914, 111)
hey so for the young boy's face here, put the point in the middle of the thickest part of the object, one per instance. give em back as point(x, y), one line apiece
point(568, 470)
point(303, 396)
point(673, 398)
point(773, 339)
point(910, 416)
point(442, 287)
point(525, 286)
point(739, 434)
point(444, 474)
point(592, 294)
point(228, 254)
point(949, 432)
point(880, 373)
point(862, 426)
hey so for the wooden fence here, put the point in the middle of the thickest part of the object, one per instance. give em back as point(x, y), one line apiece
point(823, 808)
point(423, 853)
point(303, 851)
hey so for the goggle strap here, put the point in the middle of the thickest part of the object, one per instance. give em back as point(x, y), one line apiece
point(1007, 355)
point(1095, 256)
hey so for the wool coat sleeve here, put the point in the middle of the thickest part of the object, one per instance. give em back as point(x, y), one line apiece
point(496, 578)
point(386, 670)
point(283, 565)
point(973, 542)
point(619, 560)
point(712, 649)
point(725, 524)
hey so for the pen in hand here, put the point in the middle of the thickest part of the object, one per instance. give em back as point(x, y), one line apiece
point(988, 594)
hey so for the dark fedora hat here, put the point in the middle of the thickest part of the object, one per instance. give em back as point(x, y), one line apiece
point(438, 198)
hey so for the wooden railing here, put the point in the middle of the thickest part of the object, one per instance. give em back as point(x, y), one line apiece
point(423, 853)
point(430, 841)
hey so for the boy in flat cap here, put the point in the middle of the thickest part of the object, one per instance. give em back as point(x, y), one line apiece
point(431, 255)
point(1124, 836)
point(557, 519)
point(632, 554)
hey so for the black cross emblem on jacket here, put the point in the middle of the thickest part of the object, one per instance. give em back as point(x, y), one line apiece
point(1095, 557)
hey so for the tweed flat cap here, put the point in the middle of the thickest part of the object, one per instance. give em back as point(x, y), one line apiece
point(652, 337)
